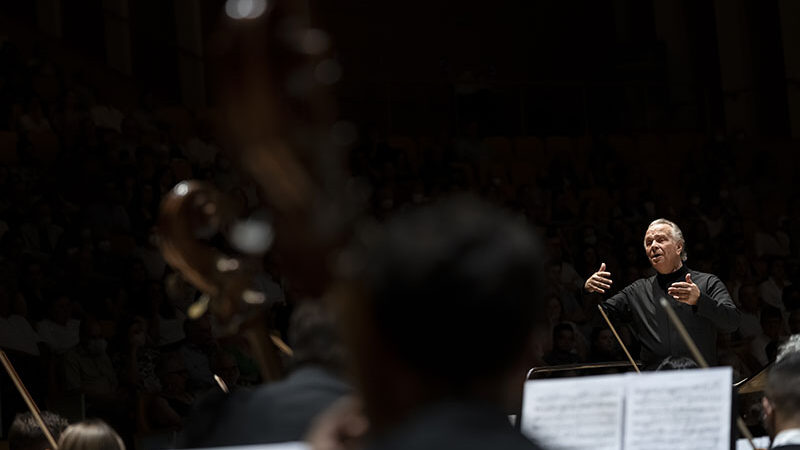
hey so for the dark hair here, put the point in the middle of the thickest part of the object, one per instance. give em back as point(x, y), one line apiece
point(314, 338)
point(783, 385)
point(453, 283)
point(25, 433)
point(677, 363)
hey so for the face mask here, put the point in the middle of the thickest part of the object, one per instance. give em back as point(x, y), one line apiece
point(96, 347)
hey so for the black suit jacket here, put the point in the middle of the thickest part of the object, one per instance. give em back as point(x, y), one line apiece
point(277, 412)
point(787, 447)
point(456, 425)
point(639, 305)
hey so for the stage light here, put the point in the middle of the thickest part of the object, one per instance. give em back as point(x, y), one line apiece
point(181, 189)
point(252, 236)
point(245, 9)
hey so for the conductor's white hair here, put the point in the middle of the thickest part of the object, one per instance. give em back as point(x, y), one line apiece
point(792, 345)
point(677, 234)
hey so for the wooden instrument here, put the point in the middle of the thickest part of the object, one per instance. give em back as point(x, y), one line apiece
point(275, 72)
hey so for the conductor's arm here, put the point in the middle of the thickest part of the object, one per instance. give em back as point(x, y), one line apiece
point(713, 302)
point(617, 307)
point(716, 304)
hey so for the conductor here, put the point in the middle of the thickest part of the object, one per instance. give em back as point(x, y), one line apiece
point(700, 299)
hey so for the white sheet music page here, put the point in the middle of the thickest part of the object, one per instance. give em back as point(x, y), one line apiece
point(575, 413)
point(679, 410)
point(279, 446)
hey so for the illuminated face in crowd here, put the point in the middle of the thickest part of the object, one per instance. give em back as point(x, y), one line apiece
point(663, 250)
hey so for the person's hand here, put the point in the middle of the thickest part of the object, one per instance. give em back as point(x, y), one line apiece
point(685, 291)
point(340, 427)
point(599, 281)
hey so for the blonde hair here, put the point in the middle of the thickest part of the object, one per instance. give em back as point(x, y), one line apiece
point(90, 435)
point(677, 234)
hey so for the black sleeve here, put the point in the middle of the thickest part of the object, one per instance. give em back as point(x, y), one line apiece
point(716, 305)
point(618, 306)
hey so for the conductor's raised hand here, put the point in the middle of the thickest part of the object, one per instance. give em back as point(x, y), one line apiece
point(599, 281)
point(685, 291)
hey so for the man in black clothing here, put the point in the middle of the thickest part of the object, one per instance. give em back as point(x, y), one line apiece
point(700, 300)
point(782, 403)
point(281, 411)
point(439, 313)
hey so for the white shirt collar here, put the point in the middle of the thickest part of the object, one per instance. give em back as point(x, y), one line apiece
point(787, 437)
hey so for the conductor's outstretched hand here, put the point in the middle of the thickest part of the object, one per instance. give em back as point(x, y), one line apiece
point(599, 281)
point(685, 291)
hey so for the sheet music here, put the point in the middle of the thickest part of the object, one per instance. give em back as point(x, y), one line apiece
point(575, 413)
point(678, 410)
point(761, 442)
point(280, 446)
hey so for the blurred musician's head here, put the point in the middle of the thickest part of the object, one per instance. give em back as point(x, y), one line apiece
point(442, 304)
point(781, 400)
point(25, 433)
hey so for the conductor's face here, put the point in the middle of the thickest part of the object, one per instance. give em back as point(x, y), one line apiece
point(663, 252)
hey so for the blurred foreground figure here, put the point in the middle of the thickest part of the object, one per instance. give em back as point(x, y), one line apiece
point(25, 433)
point(90, 435)
point(280, 411)
point(782, 402)
point(439, 310)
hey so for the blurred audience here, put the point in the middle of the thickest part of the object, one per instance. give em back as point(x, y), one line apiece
point(81, 183)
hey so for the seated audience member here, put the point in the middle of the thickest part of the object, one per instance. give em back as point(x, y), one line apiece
point(136, 356)
point(21, 343)
point(771, 289)
point(59, 331)
point(604, 347)
point(781, 402)
point(750, 326)
point(172, 405)
point(196, 350)
point(90, 435)
point(280, 411)
point(765, 344)
point(88, 370)
point(438, 312)
point(26, 434)
point(563, 346)
point(16, 333)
